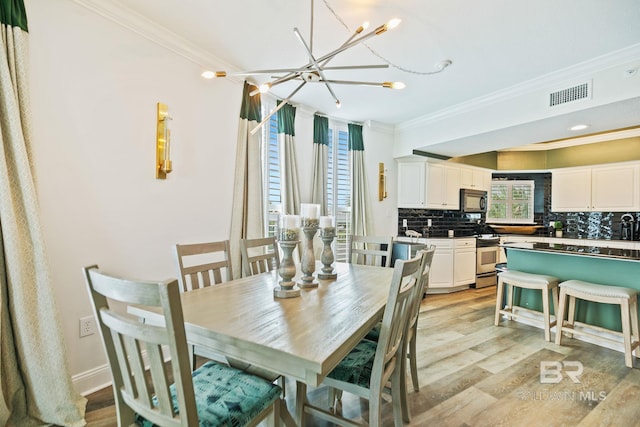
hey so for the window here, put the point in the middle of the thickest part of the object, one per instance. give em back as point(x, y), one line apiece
point(511, 202)
point(339, 186)
point(271, 180)
point(338, 180)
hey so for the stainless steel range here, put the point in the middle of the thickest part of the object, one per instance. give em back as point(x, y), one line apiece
point(487, 253)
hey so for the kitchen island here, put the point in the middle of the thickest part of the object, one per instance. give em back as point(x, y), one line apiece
point(606, 266)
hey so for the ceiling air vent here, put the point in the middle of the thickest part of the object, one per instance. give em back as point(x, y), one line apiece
point(575, 93)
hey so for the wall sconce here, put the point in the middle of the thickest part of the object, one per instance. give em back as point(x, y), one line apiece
point(163, 142)
point(382, 182)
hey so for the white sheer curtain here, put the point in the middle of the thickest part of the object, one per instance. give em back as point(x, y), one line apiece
point(289, 180)
point(247, 220)
point(35, 382)
point(360, 221)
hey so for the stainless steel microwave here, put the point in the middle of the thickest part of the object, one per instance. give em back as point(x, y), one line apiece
point(473, 200)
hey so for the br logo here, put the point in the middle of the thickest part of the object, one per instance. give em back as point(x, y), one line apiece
point(552, 372)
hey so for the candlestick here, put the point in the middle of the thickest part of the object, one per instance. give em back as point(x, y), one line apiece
point(287, 271)
point(327, 234)
point(308, 261)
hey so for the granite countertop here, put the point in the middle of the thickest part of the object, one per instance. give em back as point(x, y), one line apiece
point(595, 251)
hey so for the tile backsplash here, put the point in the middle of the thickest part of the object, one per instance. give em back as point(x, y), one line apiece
point(584, 225)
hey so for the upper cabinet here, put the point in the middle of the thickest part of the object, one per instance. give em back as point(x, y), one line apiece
point(443, 187)
point(474, 178)
point(608, 188)
point(427, 184)
point(411, 184)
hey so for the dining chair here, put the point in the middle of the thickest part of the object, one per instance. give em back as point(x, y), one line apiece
point(369, 250)
point(200, 265)
point(212, 395)
point(203, 264)
point(259, 255)
point(370, 366)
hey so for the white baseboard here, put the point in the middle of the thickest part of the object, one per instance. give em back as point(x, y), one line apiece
point(92, 380)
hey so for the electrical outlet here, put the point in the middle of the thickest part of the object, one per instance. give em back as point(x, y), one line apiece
point(87, 326)
point(404, 223)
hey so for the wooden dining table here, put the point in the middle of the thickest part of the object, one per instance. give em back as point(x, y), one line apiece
point(302, 338)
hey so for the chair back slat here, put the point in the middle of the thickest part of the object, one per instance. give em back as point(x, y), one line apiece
point(369, 250)
point(259, 255)
point(203, 264)
point(126, 339)
point(394, 321)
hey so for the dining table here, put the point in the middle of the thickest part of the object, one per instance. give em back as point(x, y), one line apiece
point(302, 338)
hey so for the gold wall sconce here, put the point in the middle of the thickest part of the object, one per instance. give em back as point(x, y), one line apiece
point(163, 142)
point(382, 182)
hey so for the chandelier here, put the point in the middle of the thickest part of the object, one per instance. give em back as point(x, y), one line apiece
point(314, 70)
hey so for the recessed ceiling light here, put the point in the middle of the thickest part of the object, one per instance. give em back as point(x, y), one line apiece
point(578, 127)
point(208, 74)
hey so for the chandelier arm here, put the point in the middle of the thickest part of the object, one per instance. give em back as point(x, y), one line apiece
point(380, 30)
point(316, 65)
point(351, 82)
point(275, 110)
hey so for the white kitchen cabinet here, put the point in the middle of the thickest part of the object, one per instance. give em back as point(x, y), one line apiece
point(454, 265)
point(441, 274)
point(411, 184)
point(443, 187)
point(606, 188)
point(464, 262)
point(475, 178)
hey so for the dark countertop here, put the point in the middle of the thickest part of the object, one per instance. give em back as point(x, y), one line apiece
point(594, 251)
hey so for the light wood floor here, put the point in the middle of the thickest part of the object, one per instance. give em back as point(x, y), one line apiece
point(473, 373)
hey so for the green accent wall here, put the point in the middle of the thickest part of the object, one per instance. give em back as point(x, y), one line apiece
point(612, 151)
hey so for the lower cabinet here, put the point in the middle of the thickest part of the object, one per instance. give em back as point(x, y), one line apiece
point(454, 265)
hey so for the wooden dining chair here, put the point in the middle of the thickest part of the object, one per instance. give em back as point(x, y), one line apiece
point(203, 264)
point(145, 396)
point(370, 366)
point(200, 265)
point(369, 250)
point(259, 255)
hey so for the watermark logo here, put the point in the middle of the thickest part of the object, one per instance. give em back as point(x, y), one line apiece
point(551, 372)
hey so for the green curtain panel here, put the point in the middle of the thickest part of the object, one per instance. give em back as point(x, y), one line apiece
point(356, 143)
point(13, 14)
point(248, 218)
point(34, 377)
point(320, 130)
point(286, 119)
point(320, 162)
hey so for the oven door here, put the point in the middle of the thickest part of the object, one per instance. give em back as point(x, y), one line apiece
point(486, 259)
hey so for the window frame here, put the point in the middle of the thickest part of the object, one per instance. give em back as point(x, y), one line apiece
point(510, 202)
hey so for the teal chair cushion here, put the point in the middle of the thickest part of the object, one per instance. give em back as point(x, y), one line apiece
point(226, 396)
point(374, 333)
point(356, 367)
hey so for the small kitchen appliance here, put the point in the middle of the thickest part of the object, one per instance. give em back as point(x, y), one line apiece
point(628, 227)
point(473, 200)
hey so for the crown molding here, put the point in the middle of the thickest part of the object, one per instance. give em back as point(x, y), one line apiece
point(544, 82)
point(124, 16)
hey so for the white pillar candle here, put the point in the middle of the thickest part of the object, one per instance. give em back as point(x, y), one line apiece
point(326, 221)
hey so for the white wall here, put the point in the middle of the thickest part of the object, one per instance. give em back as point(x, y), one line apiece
point(95, 86)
